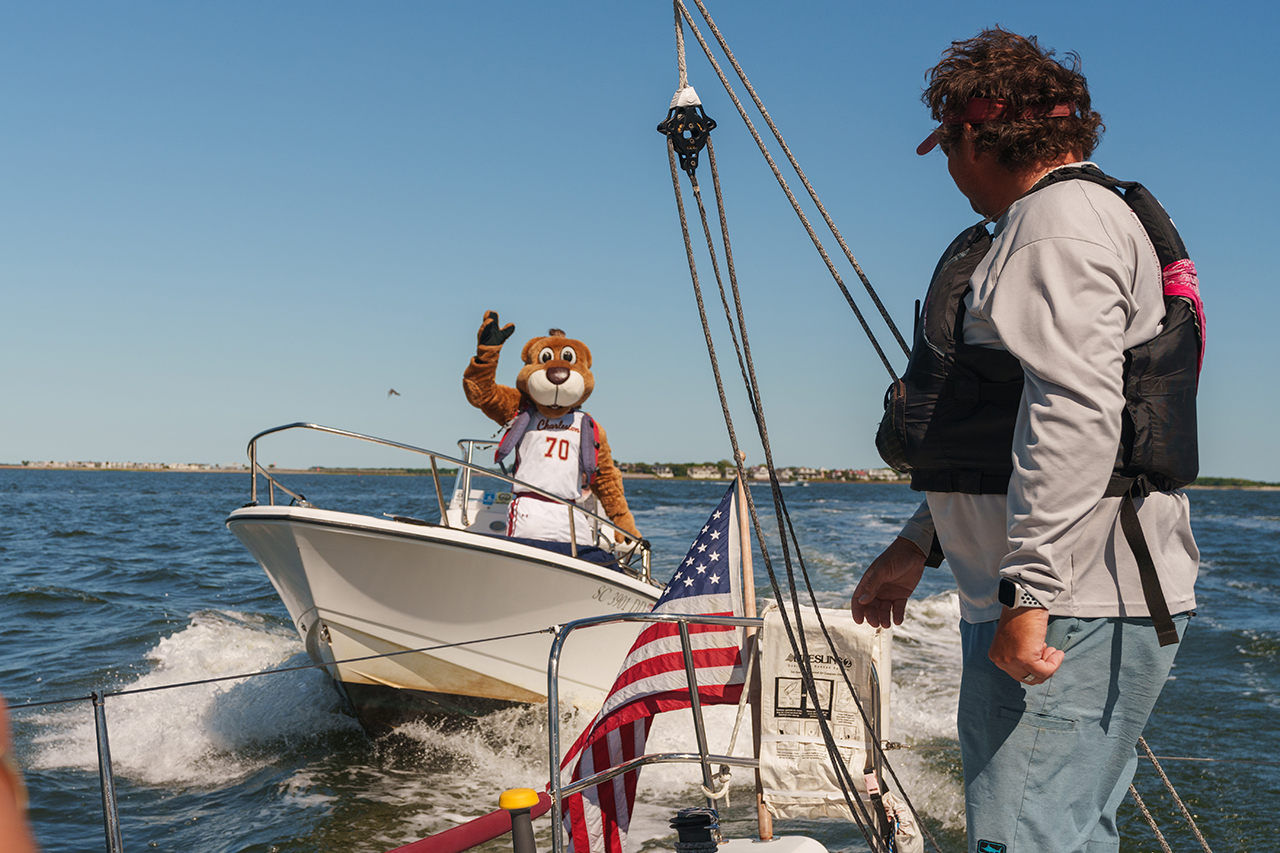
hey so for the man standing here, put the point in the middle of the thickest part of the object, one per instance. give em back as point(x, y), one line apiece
point(1015, 418)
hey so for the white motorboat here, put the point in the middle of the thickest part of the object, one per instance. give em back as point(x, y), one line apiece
point(415, 617)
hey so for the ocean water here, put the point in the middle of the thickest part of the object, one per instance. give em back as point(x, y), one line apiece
point(122, 580)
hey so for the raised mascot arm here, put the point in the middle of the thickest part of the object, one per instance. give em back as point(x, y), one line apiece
point(500, 403)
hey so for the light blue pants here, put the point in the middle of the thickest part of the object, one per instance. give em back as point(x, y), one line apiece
point(1047, 765)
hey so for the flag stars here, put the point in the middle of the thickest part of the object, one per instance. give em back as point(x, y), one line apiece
point(689, 562)
point(702, 548)
point(688, 581)
point(702, 570)
point(715, 534)
point(714, 579)
point(716, 514)
point(714, 556)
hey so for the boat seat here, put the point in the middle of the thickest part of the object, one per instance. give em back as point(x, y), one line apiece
point(585, 552)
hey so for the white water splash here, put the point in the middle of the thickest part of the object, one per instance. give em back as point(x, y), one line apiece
point(205, 734)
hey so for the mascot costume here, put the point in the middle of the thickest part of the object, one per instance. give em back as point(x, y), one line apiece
point(558, 448)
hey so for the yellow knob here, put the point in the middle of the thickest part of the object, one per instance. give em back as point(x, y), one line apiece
point(518, 798)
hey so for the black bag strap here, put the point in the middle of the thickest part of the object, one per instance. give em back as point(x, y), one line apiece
point(1169, 248)
point(1157, 607)
point(1159, 227)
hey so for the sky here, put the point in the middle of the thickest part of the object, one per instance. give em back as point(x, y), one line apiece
point(222, 217)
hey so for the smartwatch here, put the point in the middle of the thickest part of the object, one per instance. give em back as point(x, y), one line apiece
point(1012, 595)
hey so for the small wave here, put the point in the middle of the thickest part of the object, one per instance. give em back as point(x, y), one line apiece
point(67, 534)
point(1260, 645)
point(44, 594)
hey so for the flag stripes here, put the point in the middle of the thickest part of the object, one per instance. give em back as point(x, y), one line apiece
point(653, 679)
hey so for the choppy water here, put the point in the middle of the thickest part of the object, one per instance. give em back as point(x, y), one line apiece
point(119, 580)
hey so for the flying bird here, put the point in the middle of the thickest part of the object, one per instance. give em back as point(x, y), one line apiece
point(392, 391)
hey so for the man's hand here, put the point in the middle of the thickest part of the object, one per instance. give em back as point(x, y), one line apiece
point(1019, 647)
point(887, 584)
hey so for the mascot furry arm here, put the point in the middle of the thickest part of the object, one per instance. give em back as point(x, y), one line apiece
point(556, 379)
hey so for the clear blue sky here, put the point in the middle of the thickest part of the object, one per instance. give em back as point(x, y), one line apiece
point(220, 217)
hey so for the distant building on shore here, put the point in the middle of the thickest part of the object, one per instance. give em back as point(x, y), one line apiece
point(132, 466)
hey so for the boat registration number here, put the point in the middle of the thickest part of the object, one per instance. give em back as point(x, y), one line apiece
point(619, 600)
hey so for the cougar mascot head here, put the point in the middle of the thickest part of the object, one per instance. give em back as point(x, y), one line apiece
point(557, 373)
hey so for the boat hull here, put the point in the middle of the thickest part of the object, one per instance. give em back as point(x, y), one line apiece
point(454, 609)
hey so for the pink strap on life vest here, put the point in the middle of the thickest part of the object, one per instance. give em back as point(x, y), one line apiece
point(1180, 279)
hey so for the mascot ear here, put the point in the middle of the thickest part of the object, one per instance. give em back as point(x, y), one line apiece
point(526, 354)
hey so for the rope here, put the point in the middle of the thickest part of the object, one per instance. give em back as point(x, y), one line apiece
point(1151, 821)
point(712, 794)
point(1173, 793)
point(861, 816)
point(860, 812)
point(747, 368)
point(725, 770)
point(800, 173)
point(782, 182)
point(749, 381)
point(680, 60)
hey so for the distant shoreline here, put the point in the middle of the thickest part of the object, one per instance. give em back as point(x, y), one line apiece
point(403, 472)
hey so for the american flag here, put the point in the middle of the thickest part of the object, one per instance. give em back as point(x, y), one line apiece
point(652, 679)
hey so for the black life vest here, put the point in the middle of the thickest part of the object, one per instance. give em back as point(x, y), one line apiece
point(949, 420)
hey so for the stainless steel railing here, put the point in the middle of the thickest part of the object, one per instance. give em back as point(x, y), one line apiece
point(627, 555)
point(702, 757)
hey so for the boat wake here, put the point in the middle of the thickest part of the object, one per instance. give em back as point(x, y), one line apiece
point(204, 734)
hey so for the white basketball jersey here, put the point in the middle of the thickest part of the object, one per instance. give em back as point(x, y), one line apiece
point(549, 455)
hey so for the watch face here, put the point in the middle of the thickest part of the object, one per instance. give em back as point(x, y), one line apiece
point(1008, 592)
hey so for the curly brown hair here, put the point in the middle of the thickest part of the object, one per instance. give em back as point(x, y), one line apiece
point(999, 64)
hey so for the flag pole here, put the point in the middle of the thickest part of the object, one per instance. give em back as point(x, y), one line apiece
point(764, 820)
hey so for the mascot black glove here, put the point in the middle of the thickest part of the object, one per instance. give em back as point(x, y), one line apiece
point(490, 333)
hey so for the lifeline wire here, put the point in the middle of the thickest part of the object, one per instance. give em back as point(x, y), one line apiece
point(135, 691)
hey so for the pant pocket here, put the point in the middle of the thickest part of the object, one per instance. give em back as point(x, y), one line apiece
point(1062, 632)
point(1039, 721)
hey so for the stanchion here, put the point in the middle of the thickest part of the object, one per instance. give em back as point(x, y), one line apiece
point(110, 809)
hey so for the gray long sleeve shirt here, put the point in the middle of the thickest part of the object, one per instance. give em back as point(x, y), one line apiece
point(1070, 282)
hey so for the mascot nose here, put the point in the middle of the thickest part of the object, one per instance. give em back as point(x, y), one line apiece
point(557, 375)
